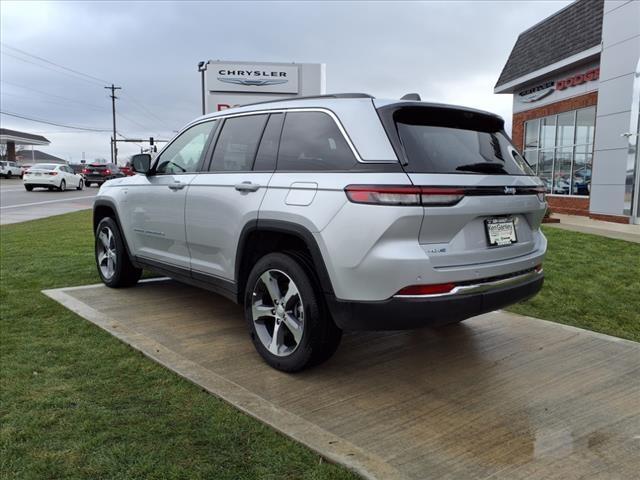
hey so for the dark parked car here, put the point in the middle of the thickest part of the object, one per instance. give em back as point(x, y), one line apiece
point(99, 173)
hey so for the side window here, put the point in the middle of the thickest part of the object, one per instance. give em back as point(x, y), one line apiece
point(312, 141)
point(237, 144)
point(268, 150)
point(183, 155)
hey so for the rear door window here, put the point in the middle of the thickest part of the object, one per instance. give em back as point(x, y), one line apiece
point(456, 141)
point(237, 144)
point(312, 141)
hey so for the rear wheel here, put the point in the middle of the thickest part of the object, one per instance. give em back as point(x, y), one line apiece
point(113, 262)
point(80, 185)
point(87, 184)
point(63, 186)
point(287, 318)
point(28, 188)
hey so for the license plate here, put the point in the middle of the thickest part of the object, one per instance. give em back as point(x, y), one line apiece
point(38, 174)
point(501, 231)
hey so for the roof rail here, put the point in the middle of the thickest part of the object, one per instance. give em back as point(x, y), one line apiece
point(313, 97)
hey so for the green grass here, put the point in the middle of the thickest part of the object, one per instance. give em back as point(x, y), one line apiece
point(591, 282)
point(77, 403)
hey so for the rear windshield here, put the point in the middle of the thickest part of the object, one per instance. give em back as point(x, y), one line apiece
point(44, 166)
point(456, 141)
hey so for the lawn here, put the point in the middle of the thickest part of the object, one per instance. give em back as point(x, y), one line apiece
point(77, 403)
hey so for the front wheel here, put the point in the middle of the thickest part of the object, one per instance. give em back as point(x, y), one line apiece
point(63, 186)
point(28, 188)
point(289, 323)
point(113, 262)
point(80, 185)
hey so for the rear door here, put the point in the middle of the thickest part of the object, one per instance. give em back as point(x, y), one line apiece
point(494, 205)
point(155, 203)
point(227, 196)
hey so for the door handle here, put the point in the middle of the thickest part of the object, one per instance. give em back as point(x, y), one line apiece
point(247, 187)
point(177, 186)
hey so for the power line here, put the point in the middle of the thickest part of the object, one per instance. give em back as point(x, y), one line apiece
point(73, 127)
point(47, 94)
point(53, 63)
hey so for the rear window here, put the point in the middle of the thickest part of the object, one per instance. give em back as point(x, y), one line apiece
point(45, 166)
point(437, 140)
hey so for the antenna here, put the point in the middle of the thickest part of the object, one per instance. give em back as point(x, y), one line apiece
point(412, 96)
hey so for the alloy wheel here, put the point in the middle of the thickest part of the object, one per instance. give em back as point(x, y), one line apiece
point(277, 312)
point(106, 251)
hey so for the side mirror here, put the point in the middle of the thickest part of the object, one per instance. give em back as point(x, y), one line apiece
point(141, 163)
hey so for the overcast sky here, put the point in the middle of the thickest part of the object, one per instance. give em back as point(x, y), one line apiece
point(449, 52)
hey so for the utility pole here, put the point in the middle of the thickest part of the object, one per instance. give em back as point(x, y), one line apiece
point(114, 148)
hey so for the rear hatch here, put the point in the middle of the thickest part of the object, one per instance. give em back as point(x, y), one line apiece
point(482, 203)
point(96, 170)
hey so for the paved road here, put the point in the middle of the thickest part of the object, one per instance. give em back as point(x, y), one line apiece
point(18, 205)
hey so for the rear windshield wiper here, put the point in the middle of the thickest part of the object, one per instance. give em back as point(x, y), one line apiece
point(483, 167)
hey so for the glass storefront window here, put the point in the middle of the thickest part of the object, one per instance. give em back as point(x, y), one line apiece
point(559, 149)
point(531, 134)
point(582, 171)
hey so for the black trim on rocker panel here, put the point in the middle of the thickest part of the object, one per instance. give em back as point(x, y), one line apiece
point(282, 226)
point(201, 280)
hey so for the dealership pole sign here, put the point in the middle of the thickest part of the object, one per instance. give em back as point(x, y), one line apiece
point(230, 84)
point(564, 84)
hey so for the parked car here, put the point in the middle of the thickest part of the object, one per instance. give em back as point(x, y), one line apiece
point(23, 168)
point(52, 175)
point(332, 213)
point(99, 173)
point(9, 169)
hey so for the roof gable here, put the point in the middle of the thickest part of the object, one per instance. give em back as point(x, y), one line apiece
point(572, 30)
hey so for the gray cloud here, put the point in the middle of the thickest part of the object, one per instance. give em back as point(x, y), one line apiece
point(447, 51)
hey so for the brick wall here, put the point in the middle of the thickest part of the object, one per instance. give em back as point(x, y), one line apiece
point(559, 204)
point(582, 101)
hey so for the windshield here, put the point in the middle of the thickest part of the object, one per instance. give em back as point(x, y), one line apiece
point(44, 166)
point(456, 141)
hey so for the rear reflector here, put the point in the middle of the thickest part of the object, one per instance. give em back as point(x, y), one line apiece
point(427, 289)
point(403, 195)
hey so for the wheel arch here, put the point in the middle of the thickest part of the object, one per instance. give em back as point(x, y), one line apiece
point(103, 208)
point(259, 237)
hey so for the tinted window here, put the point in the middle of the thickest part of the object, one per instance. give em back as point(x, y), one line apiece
point(312, 141)
point(457, 142)
point(268, 150)
point(237, 144)
point(184, 154)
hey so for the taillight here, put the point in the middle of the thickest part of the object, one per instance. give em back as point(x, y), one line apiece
point(404, 195)
point(85, 171)
point(53, 173)
point(427, 289)
point(107, 172)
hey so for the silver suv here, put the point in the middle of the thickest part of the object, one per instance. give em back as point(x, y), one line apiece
point(340, 212)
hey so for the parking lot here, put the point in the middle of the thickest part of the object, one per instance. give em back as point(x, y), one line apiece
point(18, 205)
point(498, 396)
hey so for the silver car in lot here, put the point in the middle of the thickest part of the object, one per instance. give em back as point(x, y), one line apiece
point(332, 213)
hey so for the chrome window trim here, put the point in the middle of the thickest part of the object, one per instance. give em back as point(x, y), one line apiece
point(324, 110)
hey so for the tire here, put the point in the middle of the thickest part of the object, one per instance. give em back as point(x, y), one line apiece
point(28, 188)
point(87, 184)
point(50, 189)
point(318, 337)
point(80, 185)
point(63, 186)
point(116, 271)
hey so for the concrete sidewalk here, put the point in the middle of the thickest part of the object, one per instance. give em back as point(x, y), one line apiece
point(576, 223)
point(499, 396)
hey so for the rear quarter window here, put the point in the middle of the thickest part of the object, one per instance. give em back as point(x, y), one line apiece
point(313, 141)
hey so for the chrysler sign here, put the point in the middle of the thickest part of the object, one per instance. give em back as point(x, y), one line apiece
point(253, 79)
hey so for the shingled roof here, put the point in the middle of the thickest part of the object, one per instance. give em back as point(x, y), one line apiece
point(572, 30)
point(23, 136)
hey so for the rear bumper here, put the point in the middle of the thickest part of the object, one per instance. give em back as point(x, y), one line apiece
point(405, 312)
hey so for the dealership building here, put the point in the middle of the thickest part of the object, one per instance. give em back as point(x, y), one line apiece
point(575, 81)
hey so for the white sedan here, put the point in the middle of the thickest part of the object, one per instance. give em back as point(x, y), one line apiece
point(52, 175)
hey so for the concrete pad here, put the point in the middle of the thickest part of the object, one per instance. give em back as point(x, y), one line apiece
point(498, 396)
point(576, 223)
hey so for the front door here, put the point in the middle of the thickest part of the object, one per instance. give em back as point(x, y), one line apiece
point(221, 201)
point(156, 202)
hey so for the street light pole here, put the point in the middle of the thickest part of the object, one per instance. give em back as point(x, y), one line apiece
point(202, 67)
